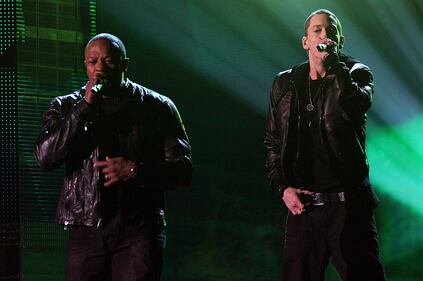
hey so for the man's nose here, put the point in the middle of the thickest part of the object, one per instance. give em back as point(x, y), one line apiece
point(323, 34)
point(99, 66)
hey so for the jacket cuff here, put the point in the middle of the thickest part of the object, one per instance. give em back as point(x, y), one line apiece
point(344, 79)
point(84, 110)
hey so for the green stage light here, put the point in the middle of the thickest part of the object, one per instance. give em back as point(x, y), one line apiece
point(396, 158)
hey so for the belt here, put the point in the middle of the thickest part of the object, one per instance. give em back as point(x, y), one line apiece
point(318, 198)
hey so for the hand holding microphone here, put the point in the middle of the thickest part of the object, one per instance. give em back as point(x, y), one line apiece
point(331, 59)
point(323, 47)
point(95, 89)
point(329, 46)
point(98, 88)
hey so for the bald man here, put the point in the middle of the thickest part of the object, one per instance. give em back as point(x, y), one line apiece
point(316, 159)
point(122, 145)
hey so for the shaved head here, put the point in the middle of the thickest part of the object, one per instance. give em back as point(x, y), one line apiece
point(114, 41)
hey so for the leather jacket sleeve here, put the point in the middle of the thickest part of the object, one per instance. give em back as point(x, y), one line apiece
point(356, 89)
point(176, 169)
point(273, 140)
point(59, 128)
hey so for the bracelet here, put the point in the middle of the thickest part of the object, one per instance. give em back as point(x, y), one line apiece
point(133, 172)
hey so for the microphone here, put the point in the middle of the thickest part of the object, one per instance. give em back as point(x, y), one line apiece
point(323, 47)
point(99, 87)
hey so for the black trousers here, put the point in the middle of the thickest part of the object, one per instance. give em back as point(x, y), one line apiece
point(344, 232)
point(115, 254)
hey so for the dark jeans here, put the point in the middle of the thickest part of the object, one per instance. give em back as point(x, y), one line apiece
point(110, 253)
point(345, 232)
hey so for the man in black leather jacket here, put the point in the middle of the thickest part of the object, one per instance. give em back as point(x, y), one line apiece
point(123, 145)
point(316, 160)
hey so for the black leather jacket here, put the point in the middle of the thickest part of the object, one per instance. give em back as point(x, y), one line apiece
point(148, 130)
point(348, 89)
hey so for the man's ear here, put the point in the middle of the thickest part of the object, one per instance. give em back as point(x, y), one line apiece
point(305, 43)
point(341, 42)
point(124, 64)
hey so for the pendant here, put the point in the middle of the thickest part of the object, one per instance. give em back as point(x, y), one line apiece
point(310, 107)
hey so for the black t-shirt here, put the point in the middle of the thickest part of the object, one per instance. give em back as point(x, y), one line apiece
point(107, 135)
point(317, 168)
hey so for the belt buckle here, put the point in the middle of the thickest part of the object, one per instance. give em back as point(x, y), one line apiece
point(317, 199)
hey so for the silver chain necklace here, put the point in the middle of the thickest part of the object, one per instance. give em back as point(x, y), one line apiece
point(310, 106)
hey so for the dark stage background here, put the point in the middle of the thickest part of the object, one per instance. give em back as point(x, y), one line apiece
point(216, 60)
